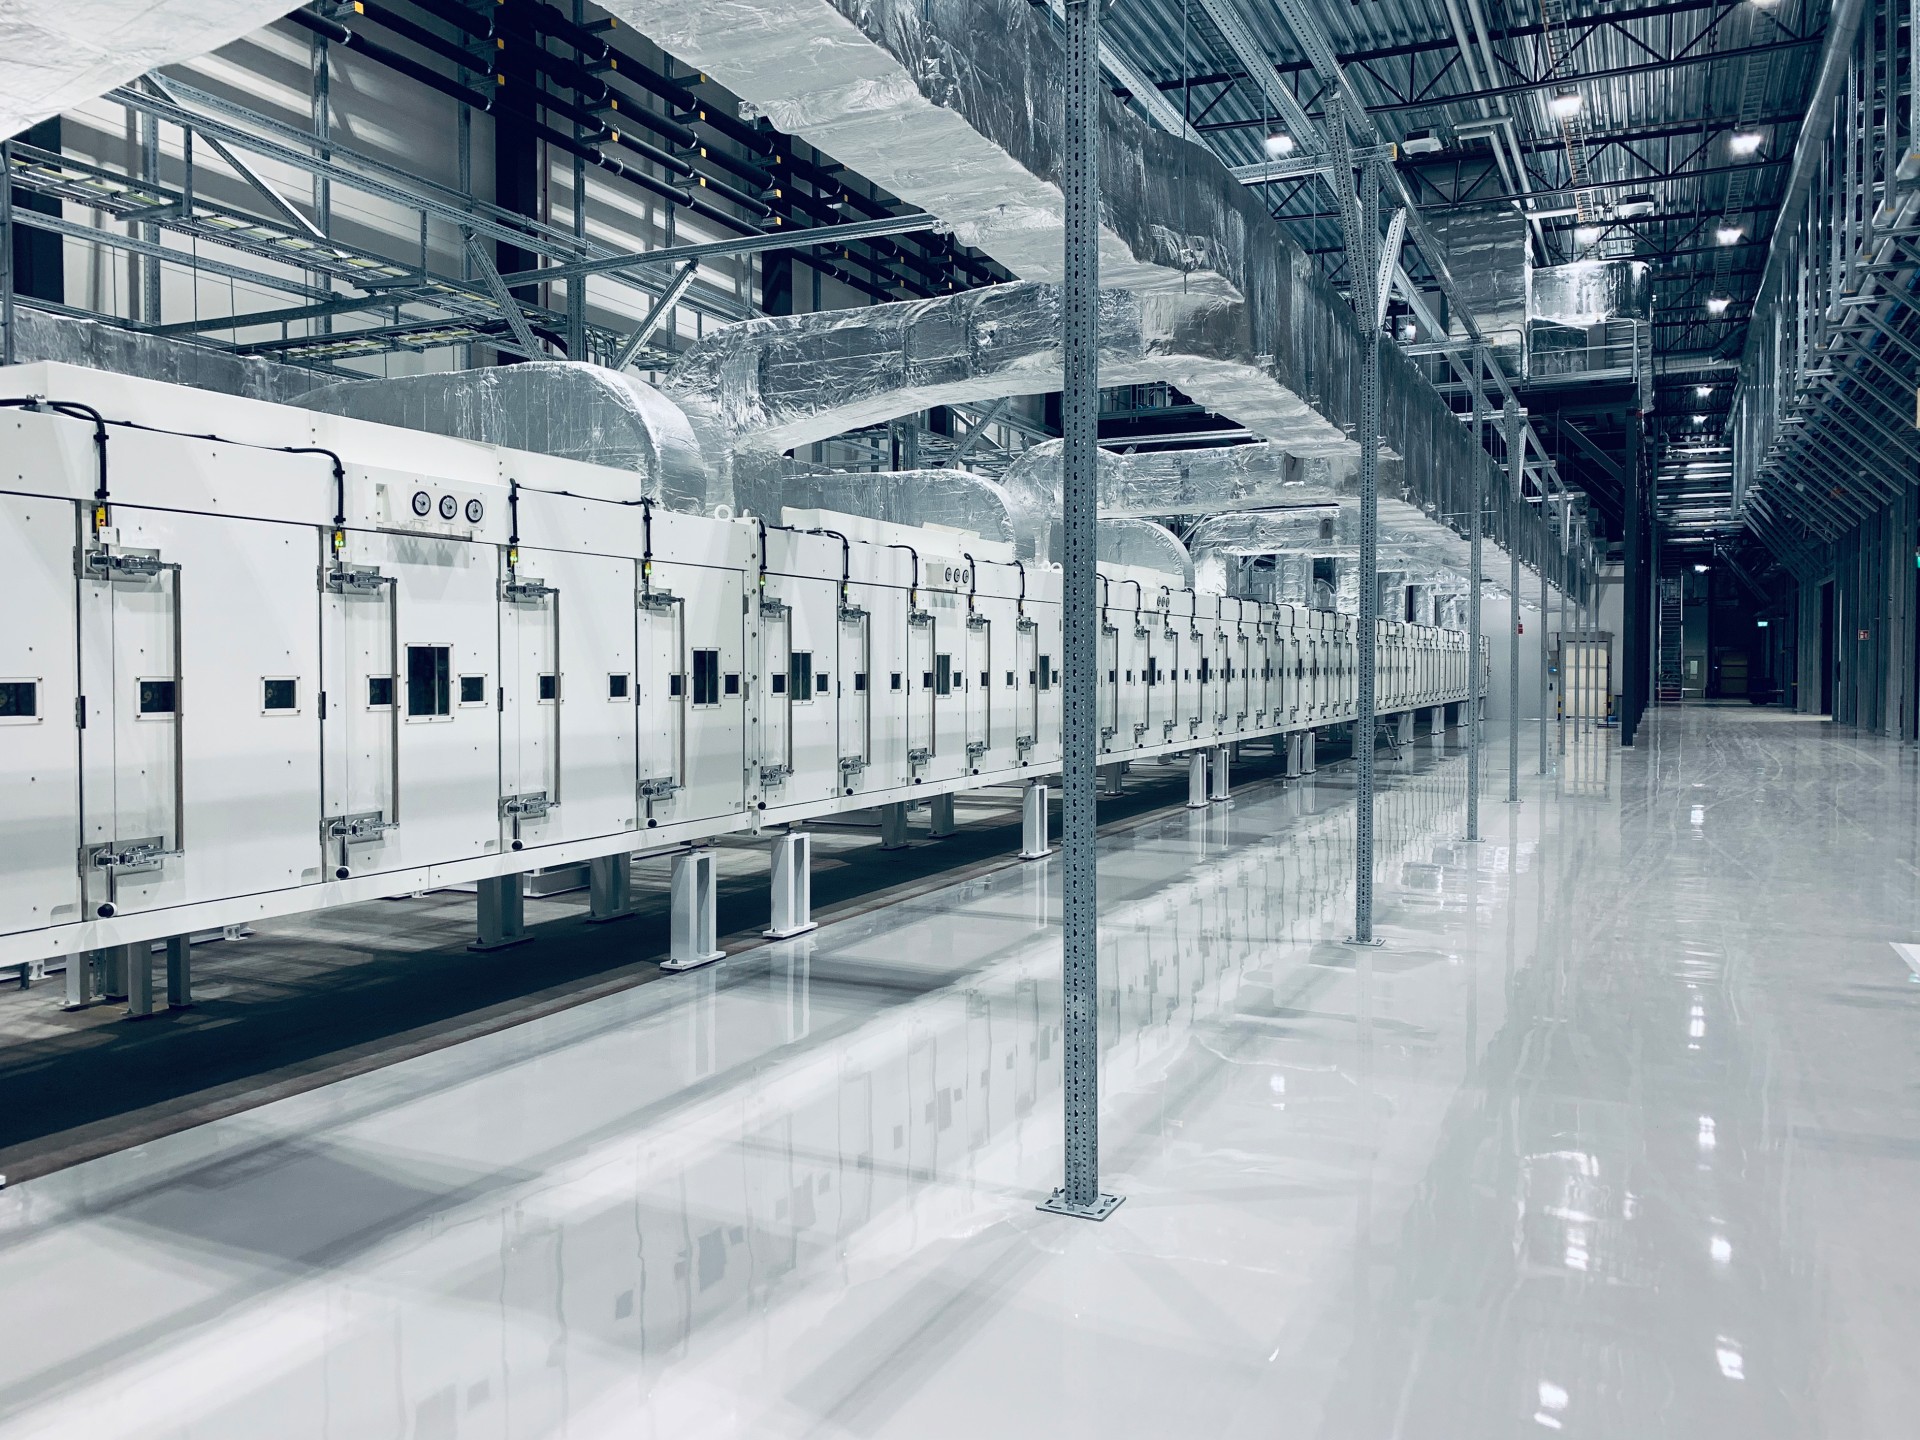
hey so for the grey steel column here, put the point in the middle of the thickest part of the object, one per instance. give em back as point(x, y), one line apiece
point(6, 252)
point(1362, 242)
point(1476, 500)
point(1543, 647)
point(577, 286)
point(150, 264)
point(1516, 473)
point(1080, 405)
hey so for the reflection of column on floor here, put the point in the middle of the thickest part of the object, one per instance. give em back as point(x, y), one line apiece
point(1196, 779)
point(940, 816)
point(1034, 840)
point(610, 887)
point(893, 826)
point(791, 971)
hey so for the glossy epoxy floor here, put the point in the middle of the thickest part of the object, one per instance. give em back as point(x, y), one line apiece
point(1617, 1136)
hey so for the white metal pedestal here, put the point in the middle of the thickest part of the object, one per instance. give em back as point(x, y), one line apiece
point(136, 963)
point(179, 972)
point(694, 931)
point(1222, 785)
point(1197, 780)
point(893, 826)
point(1034, 843)
point(609, 888)
point(940, 817)
point(501, 905)
point(793, 885)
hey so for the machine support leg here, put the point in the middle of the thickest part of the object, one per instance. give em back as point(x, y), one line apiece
point(138, 960)
point(1307, 746)
point(1197, 780)
point(940, 813)
point(1110, 785)
point(1403, 728)
point(610, 888)
point(893, 826)
point(793, 884)
point(1222, 787)
point(1439, 714)
point(1034, 842)
point(79, 979)
point(502, 909)
point(693, 931)
point(113, 973)
point(179, 972)
point(1296, 749)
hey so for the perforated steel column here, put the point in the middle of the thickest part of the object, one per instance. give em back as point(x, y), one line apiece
point(1476, 501)
point(1080, 404)
point(1544, 697)
point(1516, 471)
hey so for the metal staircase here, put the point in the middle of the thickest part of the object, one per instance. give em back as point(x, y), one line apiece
point(1673, 629)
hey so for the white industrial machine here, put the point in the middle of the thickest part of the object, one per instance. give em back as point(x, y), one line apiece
point(261, 660)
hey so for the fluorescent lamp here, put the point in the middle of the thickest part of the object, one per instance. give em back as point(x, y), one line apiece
point(1565, 103)
point(1279, 144)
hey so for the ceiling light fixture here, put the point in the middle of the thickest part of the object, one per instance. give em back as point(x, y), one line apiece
point(1745, 142)
point(1718, 305)
point(1565, 103)
point(1729, 234)
point(1703, 391)
point(1280, 143)
point(1585, 234)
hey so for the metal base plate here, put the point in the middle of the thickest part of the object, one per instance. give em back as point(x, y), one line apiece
point(1036, 854)
point(693, 964)
point(1364, 944)
point(1102, 1207)
point(609, 919)
point(499, 944)
point(789, 934)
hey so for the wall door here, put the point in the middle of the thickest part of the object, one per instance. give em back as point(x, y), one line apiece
point(39, 737)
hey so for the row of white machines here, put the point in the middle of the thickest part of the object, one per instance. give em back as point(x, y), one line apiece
point(260, 660)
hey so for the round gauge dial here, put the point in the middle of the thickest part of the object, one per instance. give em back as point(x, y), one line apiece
point(449, 507)
point(422, 503)
point(474, 511)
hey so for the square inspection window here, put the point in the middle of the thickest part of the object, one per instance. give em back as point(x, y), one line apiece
point(279, 695)
point(549, 686)
point(19, 699)
point(859, 681)
point(896, 679)
point(159, 697)
point(473, 689)
point(379, 691)
point(617, 686)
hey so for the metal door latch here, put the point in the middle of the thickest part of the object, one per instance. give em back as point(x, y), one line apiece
point(919, 755)
point(115, 565)
point(530, 806)
point(135, 855)
point(661, 789)
point(362, 828)
point(975, 749)
point(525, 592)
point(354, 580)
point(774, 774)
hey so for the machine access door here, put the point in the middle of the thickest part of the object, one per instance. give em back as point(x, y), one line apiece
point(1026, 679)
point(200, 668)
point(979, 682)
point(410, 665)
point(920, 679)
point(666, 689)
point(568, 717)
point(1108, 680)
point(853, 688)
point(39, 742)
